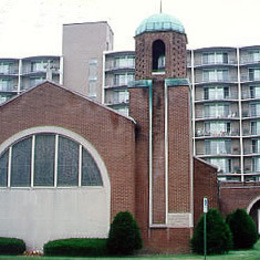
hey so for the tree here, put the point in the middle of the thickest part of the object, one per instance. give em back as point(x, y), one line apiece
point(243, 229)
point(124, 235)
point(219, 237)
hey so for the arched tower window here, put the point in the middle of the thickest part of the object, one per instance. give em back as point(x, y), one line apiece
point(158, 56)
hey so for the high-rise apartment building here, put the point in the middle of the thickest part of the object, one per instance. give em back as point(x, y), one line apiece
point(18, 75)
point(83, 45)
point(119, 71)
point(225, 83)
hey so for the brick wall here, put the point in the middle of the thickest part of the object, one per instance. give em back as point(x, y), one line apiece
point(112, 135)
point(205, 185)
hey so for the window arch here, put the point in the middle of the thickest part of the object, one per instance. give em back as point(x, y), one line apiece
point(48, 160)
point(158, 56)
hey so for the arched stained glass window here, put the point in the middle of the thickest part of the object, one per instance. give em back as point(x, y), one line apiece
point(3, 169)
point(48, 160)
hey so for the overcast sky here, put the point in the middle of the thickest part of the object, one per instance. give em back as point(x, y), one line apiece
point(34, 27)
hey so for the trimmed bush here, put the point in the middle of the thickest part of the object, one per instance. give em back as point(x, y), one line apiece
point(11, 246)
point(124, 235)
point(243, 229)
point(76, 247)
point(219, 237)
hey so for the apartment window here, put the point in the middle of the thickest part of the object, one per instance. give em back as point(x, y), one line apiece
point(123, 78)
point(255, 127)
point(125, 62)
point(4, 68)
point(254, 56)
point(48, 160)
point(256, 164)
point(216, 110)
point(255, 109)
point(92, 78)
point(217, 147)
point(4, 98)
point(123, 110)
point(123, 96)
point(5, 84)
point(217, 128)
point(39, 65)
point(223, 164)
point(254, 74)
point(214, 58)
point(216, 92)
point(255, 91)
point(215, 75)
point(255, 146)
point(34, 81)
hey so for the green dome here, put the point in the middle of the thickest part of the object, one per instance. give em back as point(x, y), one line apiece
point(160, 22)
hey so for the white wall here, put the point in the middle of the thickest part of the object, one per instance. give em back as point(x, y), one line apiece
point(38, 215)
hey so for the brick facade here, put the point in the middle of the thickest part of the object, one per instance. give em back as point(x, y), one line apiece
point(244, 195)
point(205, 185)
point(175, 53)
point(111, 134)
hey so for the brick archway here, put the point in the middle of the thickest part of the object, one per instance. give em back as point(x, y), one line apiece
point(254, 211)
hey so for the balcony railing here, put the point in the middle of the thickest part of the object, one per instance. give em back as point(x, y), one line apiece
point(203, 133)
point(217, 79)
point(246, 77)
point(9, 71)
point(248, 114)
point(8, 88)
point(220, 97)
point(216, 62)
point(231, 115)
point(251, 149)
point(248, 60)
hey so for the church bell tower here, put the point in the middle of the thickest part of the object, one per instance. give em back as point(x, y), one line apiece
point(160, 104)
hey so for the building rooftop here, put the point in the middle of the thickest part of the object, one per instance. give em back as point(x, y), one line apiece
point(160, 22)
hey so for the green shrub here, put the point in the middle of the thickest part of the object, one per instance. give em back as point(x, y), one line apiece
point(76, 247)
point(243, 229)
point(11, 246)
point(219, 237)
point(124, 235)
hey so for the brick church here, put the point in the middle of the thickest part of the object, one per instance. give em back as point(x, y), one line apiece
point(69, 164)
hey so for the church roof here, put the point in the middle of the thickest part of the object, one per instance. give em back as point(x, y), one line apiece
point(160, 22)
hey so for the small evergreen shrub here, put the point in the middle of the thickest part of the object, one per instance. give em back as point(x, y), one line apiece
point(219, 237)
point(243, 229)
point(124, 235)
point(76, 247)
point(11, 246)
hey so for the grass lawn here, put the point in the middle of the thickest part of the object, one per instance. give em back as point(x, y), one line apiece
point(253, 254)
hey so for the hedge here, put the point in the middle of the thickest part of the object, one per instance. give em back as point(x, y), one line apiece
point(124, 236)
point(76, 247)
point(243, 228)
point(11, 246)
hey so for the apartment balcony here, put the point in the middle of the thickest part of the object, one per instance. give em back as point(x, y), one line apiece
point(250, 115)
point(203, 134)
point(225, 62)
point(232, 97)
point(11, 71)
point(252, 150)
point(115, 68)
point(247, 96)
point(201, 116)
point(248, 60)
point(10, 88)
point(204, 80)
point(247, 77)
